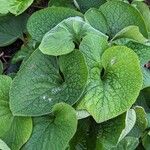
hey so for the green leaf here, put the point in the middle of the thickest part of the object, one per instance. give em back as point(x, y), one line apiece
point(53, 132)
point(84, 5)
point(141, 122)
point(143, 52)
point(128, 143)
point(120, 15)
point(110, 90)
point(11, 28)
point(1, 67)
point(3, 145)
point(60, 40)
point(63, 3)
point(43, 84)
point(96, 19)
point(19, 6)
point(145, 141)
point(4, 6)
point(79, 140)
point(144, 10)
point(14, 6)
point(44, 20)
point(111, 132)
point(15, 131)
point(131, 32)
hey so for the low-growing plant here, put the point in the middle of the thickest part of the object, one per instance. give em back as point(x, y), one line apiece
point(74, 75)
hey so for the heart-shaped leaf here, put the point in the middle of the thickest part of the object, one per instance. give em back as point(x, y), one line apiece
point(15, 131)
point(44, 20)
point(120, 15)
point(114, 81)
point(44, 81)
point(53, 132)
point(61, 39)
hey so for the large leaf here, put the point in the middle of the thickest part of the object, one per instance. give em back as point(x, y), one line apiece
point(11, 28)
point(4, 6)
point(44, 20)
point(40, 83)
point(111, 132)
point(120, 15)
point(143, 53)
point(61, 39)
point(3, 145)
point(15, 131)
point(114, 81)
point(53, 132)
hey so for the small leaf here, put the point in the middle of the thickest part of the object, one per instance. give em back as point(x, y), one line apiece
point(141, 122)
point(96, 19)
point(44, 20)
point(53, 132)
point(46, 81)
point(60, 40)
point(120, 15)
point(84, 5)
point(15, 131)
point(110, 90)
point(128, 143)
point(1, 67)
point(143, 52)
point(11, 28)
point(131, 32)
point(145, 141)
point(111, 132)
point(3, 145)
point(19, 6)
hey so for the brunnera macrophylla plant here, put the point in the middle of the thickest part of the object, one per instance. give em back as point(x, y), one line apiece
point(83, 81)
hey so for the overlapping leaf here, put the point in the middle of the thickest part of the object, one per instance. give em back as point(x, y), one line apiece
point(15, 131)
point(44, 81)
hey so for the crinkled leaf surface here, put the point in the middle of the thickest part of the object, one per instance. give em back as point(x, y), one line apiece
point(112, 131)
point(114, 81)
point(96, 19)
point(120, 15)
point(39, 84)
point(143, 52)
point(53, 132)
point(44, 20)
point(11, 28)
point(15, 131)
point(131, 32)
point(60, 40)
point(3, 145)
